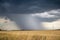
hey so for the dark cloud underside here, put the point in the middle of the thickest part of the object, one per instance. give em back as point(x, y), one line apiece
point(28, 6)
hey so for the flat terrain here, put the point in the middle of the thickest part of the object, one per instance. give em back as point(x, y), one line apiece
point(30, 35)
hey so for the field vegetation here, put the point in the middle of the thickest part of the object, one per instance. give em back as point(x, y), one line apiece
point(30, 35)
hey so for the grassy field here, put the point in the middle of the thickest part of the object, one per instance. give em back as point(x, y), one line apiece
point(30, 35)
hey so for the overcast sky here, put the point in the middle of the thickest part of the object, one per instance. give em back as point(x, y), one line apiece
point(31, 14)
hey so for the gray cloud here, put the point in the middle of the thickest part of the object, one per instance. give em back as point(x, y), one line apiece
point(27, 6)
point(48, 16)
point(20, 10)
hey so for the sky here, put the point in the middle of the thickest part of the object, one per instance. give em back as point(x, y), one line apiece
point(30, 14)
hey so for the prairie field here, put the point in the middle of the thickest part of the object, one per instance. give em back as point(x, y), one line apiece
point(30, 35)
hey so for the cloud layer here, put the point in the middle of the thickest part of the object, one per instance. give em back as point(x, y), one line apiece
point(30, 14)
point(48, 14)
point(52, 25)
point(7, 24)
point(28, 6)
point(36, 21)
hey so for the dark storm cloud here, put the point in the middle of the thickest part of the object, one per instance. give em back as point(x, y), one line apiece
point(25, 7)
point(47, 19)
point(28, 6)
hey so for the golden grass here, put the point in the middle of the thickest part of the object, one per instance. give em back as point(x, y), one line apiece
point(30, 35)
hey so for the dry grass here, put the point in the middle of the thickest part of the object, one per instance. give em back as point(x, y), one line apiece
point(30, 35)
